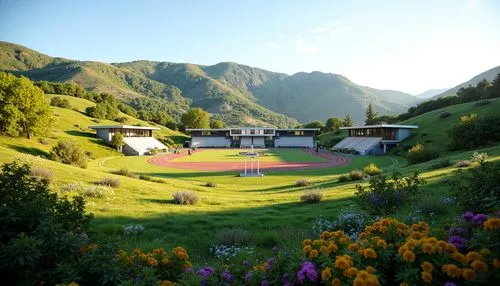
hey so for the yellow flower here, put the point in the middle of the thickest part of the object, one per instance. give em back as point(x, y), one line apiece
point(369, 253)
point(492, 223)
point(152, 262)
point(496, 263)
point(358, 282)
point(336, 282)
point(350, 272)
point(343, 261)
point(362, 235)
point(165, 260)
point(479, 265)
point(485, 252)
point(314, 253)
point(409, 256)
point(370, 269)
point(472, 256)
point(72, 283)
point(469, 274)
point(332, 247)
point(326, 274)
point(427, 267)
point(180, 253)
point(382, 244)
point(325, 235)
point(452, 270)
point(427, 248)
point(307, 249)
point(167, 283)
point(426, 276)
point(306, 242)
point(352, 247)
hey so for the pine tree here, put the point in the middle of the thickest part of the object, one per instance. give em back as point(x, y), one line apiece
point(347, 122)
point(371, 115)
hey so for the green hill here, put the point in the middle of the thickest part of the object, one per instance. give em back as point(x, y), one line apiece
point(488, 75)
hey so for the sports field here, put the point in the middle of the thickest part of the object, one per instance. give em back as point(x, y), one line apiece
point(233, 155)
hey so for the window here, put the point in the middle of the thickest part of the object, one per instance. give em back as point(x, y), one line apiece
point(299, 133)
point(206, 133)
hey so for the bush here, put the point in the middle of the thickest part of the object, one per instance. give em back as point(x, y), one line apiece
point(343, 179)
point(38, 229)
point(302, 183)
point(356, 175)
point(67, 151)
point(110, 182)
point(42, 173)
point(311, 196)
point(59, 102)
point(478, 189)
point(384, 196)
point(430, 206)
point(351, 221)
point(482, 102)
point(444, 114)
point(372, 169)
point(125, 172)
point(419, 154)
point(44, 141)
point(90, 191)
point(121, 119)
point(167, 141)
point(211, 184)
point(234, 236)
point(473, 132)
point(441, 164)
point(463, 164)
point(185, 198)
point(154, 151)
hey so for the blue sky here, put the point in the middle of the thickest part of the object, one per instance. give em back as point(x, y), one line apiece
point(410, 46)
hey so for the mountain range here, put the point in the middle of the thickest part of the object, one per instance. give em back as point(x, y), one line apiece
point(238, 94)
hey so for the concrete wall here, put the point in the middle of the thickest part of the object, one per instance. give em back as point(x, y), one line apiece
point(403, 134)
point(210, 141)
point(104, 134)
point(294, 141)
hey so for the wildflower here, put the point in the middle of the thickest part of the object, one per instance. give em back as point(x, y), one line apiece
point(370, 269)
point(343, 261)
point(226, 276)
point(245, 263)
point(409, 256)
point(404, 284)
point(314, 253)
point(473, 256)
point(382, 244)
point(248, 276)
point(72, 283)
point(326, 273)
point(457, 241)
point(152, 262)
point(332, 247)
point(369, 253)
point(479, 219)
point(206, 271)
point(479, 265)
point(492, 223)
point(336, 282)
point(306, 242)
point(180, 253)
point(307, 271)
point(469, 274)
point(350, 272)
point(452, 270)
point(426, 276)
point(468, 216)
point(307, 249)
point(352, 247)
point(265, 283)
point(427, 267)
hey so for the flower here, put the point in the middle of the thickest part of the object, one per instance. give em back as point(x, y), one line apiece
point(314, 253)
point(409, 256)
point(452, 270)
point(468, 216)
point(427, 267)
point(350, 272)
point(473, 256)
point(152, 262)
point(457, 240)
point(307, 271)
point(326, 273)
point(265, 283)
point(167, 283)
point(180, 253)
point(450, 284)
point(336, 282)
point(426, 276)
point(226, 276)
point(479, 265)
point(343, 261)
point(492, 223)
point(248, 276)
point(469, 274)
point(479, 219)
point(496, 263)
point(206, 271)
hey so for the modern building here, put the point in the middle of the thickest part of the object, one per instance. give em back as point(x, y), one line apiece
point(258, 137)
point(374, 139)
point(138, 140)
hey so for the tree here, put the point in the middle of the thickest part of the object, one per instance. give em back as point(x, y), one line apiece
point(23, 107)
point(315, 124)
point(333, 124)
point(196, 118)
point(117, 141)
point(347, 122)
point(67, 151)
point(217, 124)
point(371, 115)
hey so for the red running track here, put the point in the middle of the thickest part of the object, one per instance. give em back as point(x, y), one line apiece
point(332, 161)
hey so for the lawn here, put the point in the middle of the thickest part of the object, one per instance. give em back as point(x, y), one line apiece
point(233, 155)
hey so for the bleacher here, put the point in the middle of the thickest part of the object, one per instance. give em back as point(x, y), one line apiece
point(141, 145)
point(362, 145)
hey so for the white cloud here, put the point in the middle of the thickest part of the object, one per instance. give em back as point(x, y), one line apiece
point(304, 48)
point(272, 46)
point(332, 29)
point(471, 5)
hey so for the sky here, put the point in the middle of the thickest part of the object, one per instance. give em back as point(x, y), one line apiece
point(411, 46)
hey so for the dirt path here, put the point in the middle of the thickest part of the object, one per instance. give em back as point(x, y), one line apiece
point(167, 161)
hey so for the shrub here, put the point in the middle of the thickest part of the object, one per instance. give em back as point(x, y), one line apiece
point(430, 206)
point(85, 190)
point(419, 154)
point(67, 151)
point(311, 196)
point(302, 183)
point(167, 141)
point(479, 157)
point(356, 175)
point(234, 236)
point(59, 102)
point(154, 151)
point(44, 141)
point(110, 182)
point(185, 198)
point(473, 132)
point(343, 179)
point(463, 164)
point(372, 169)
point(482, 102)
point(38, 229)
point(42, 173)
point(211, 184)
point(384, 197)
point(351, 221)
point(444, 114)
point(124, 172)
point(478, 189)
point(121, 119)
point(441, 164)
point(132, 229)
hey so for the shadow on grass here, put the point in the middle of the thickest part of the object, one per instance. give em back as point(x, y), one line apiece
point(30, 150)
point(80, 133)
point(157, 201)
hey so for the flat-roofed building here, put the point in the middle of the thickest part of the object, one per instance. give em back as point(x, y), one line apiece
point(258, 137)
point(374, 139)
point(138, 140)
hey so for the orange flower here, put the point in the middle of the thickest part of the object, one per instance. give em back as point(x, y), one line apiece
point(404, 284)
point(496, 263)
point(350, 272)
point(152, 262)
point(323, 249)
point(452, 270)
point(472, 256)
point(165, 261)
point(167, 283)
point(332, 247)
point(326, 274)
point(306, 242)
point(426, 276)
point(314, 253)
point(479, 265)
point(370, 269)
point(427, 267)
point(343, 262)
point(469, 274)
point(352, 247)
point(369, 253)
point(427, 248)
point(409, 256)
point(382, 244)
point(336, 282)
point(492, 223)
point(307, 249)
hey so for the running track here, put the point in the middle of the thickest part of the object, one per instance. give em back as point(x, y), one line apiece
point(166, 161)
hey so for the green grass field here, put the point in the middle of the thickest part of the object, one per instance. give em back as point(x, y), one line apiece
point(233, 155)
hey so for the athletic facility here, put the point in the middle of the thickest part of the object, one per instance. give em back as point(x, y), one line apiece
point(258, 137)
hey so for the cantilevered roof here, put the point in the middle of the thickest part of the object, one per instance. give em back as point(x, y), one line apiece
point(124, 127)
point(381, 126)
point(250, 128)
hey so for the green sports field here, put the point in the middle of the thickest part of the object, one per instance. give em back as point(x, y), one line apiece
point(232, 155)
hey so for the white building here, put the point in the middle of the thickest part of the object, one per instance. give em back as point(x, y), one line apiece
point(138, 140)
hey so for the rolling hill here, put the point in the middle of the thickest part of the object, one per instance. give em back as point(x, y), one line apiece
point(489, 75)
point(237, 94)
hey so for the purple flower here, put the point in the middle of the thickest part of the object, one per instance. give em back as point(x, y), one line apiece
point(307, 271)
point(270, 263)
point(285, 278)
point(248, 276)
point(468, 216)
point(456, 231)
point(188, 270)
point(479, 219)
point(450, 284)
point(246, 263)
point(301, 276)
point(287, 284)
point(275, 248)
point(265, 283)
point(206, 271)
point(226, 276)
point(312, 275)
point(457, 240)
